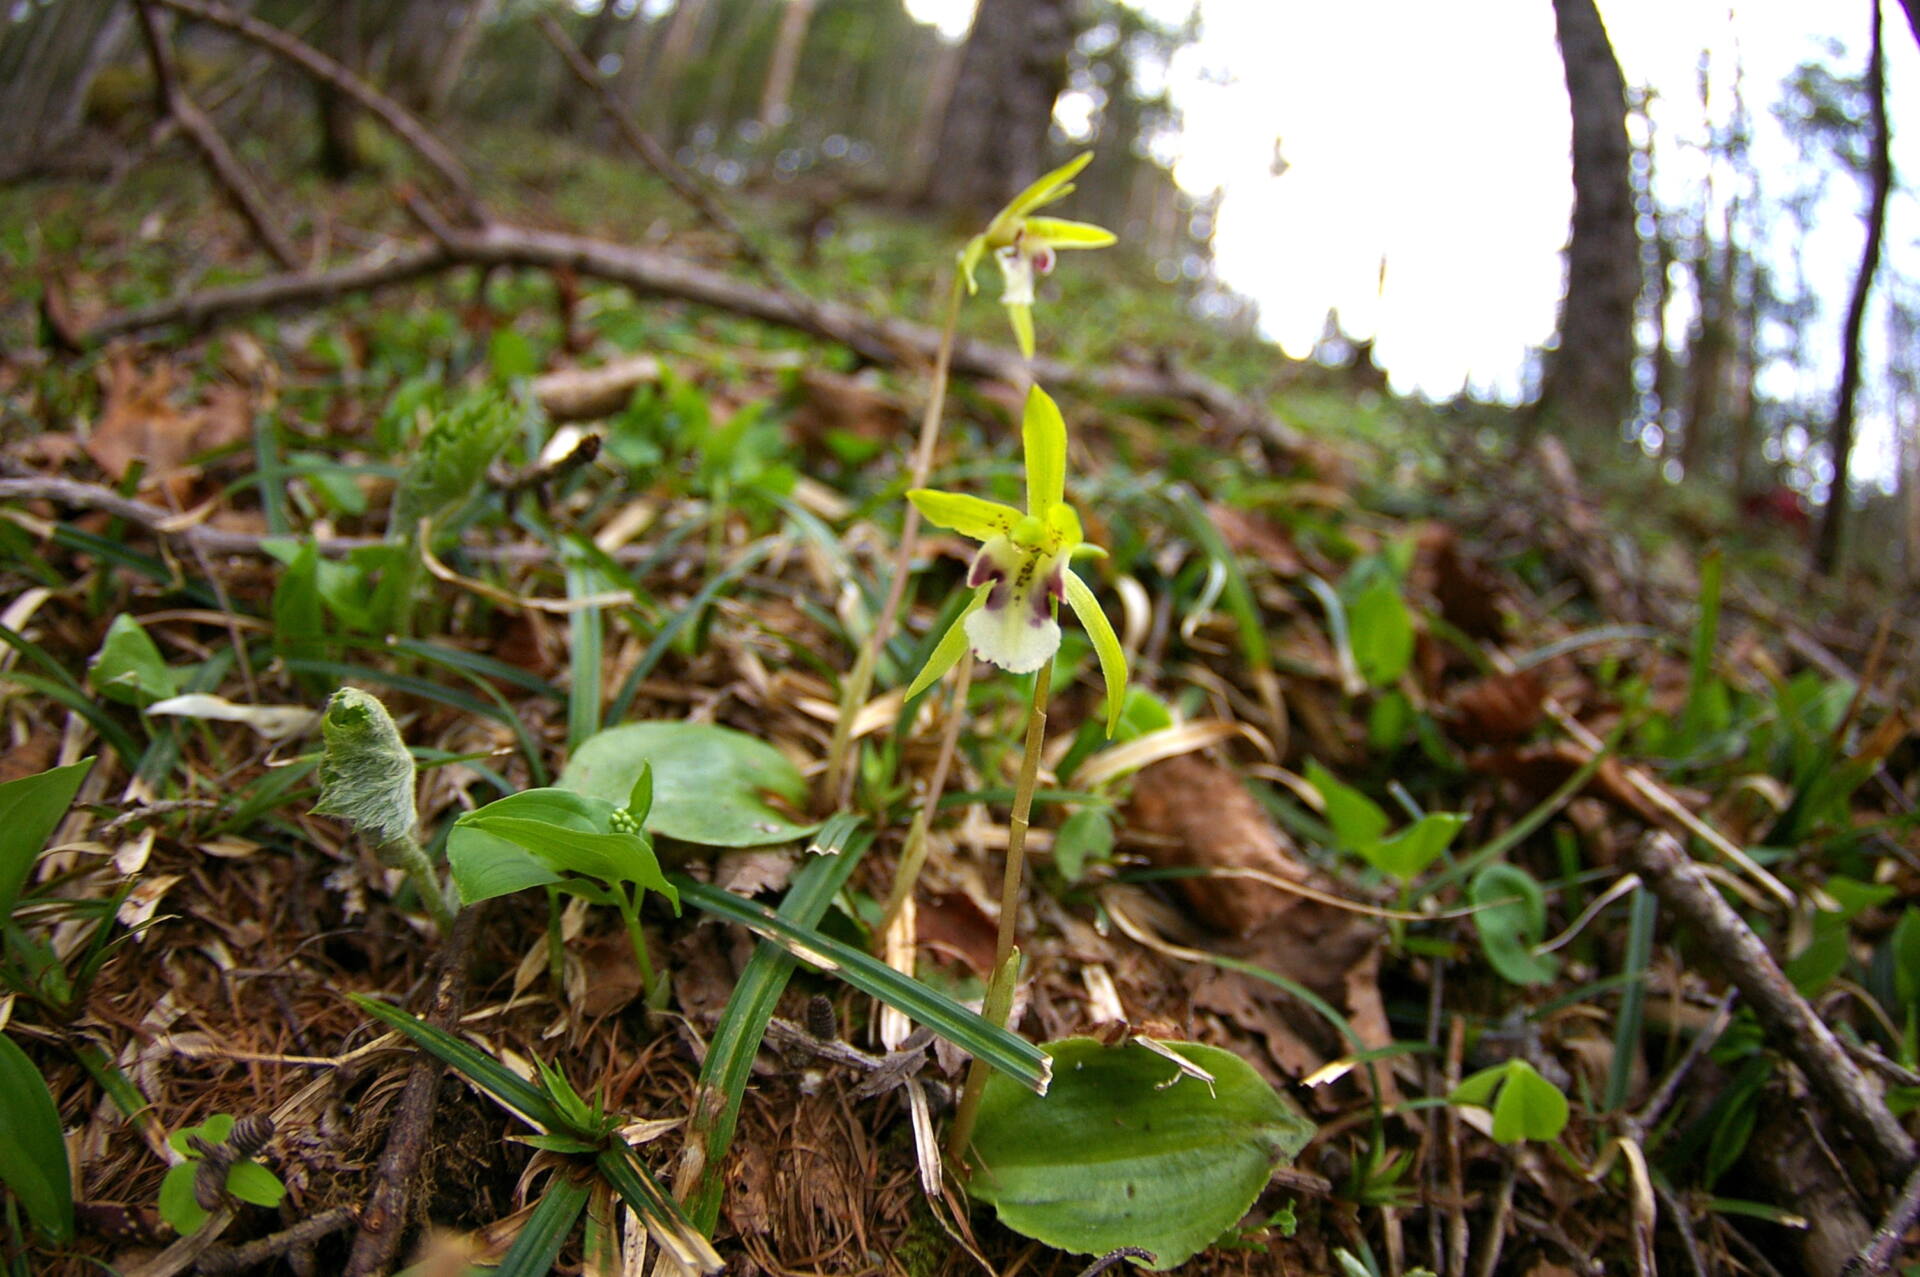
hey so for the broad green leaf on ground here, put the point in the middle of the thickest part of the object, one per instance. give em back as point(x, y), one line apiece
point(1356, 819)
point(1527, 1107)
point(33, 1155)
point(30, 809)
point(1126, 1150)
point(129, 668)
point(1511, 920)
point(711, 784)
point(1381, 633)
point(1407, 854)
point(531, 838)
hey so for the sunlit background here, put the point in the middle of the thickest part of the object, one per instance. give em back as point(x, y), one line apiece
point(1407, 164)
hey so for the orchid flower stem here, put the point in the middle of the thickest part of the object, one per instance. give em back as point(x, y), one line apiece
point(1006, 959)
point(914, 853)
point(838, 784)
point(1022, 811)
point(407, 855)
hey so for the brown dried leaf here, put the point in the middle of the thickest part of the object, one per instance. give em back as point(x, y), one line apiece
point(1497, 710)
point(1541, 769)
point(1208, 820)
point(955, 926)
point(1248, 533)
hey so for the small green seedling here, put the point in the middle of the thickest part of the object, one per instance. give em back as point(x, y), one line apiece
point(1361, 827)
point(194, 1188)
point(1511, 919)
point(1526, 1106)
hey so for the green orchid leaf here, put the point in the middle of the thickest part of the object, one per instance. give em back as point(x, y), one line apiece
point(1056, 232)
point(711, 784)
point(1381, 631)
point(33, 1152)
point(973, 517)
point(970, 261)
point(666, 1221)
point(506, 1087)
point(1085, 835)
point(1357, 820)
point(30, 810)
point(212, 1131)
point(1044, 438)
point(952, 646)
point(1511, 917)
point(1127, 1150)
point(1106, 645)
point(537, 1247)
point(640, 797)
point(129, 668)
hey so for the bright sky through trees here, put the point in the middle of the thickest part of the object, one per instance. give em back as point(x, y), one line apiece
point(1436, 136)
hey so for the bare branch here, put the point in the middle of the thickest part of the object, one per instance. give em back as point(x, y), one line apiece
point(402, 122)
point(880, 340)
point(220, 160)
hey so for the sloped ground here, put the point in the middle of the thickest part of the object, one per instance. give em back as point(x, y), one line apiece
point(1397, 617)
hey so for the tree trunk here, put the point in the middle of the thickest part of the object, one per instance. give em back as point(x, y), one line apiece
point(340, 153)
point(993, 139)
point(48, 60)
point(574, 108)
point(1590, 383)
point(453, 59)
point(776, 99)
point(1708, 361)
point(1826, 553)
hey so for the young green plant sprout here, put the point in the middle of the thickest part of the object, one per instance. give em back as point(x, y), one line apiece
point(1019, 577)
point(1024, 246)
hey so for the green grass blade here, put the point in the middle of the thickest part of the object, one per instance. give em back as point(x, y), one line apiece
point(630, 687)
point(485, 1072)
point(736, 1039)
point(1626, 1032)
point(537, 1247)
point(1004, 1050)
point(669, 1225)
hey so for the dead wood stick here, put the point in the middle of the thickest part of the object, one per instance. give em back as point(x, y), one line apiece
point(1790, 1023)
point(385, 1217)
point(317, 64)
point(880, 340)
point(1877, 1255)
point(235, 1259)
point(220, 160)
point(655, 156)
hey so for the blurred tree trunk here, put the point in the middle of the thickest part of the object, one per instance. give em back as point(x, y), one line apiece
point(1710, 356)
point(679, 45)
point(993, 138)
point(1826, 552)
point(340, 153)
point(1589, 385)
point(918, 164)
point(453, 57)
point(573, 106)
point(777, 98)
point(49, 56)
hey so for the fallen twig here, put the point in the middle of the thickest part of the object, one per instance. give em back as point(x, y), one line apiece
point(396, 117)
point(880, 340)
point(385, 1216)
point(1790, 1023)
point(220, 160)
point(1877, 1256)
point(234, 1259)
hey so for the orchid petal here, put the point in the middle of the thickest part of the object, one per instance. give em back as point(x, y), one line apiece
point(1055, 232)
point(1044, 434)
point(948, 651)
point(1021, 317)
point(970, 261)
point(1016, 629)
point(1017, 268)
point(973, 517)
point(1012, 637)
point(1047, 189)
point(1113, 659)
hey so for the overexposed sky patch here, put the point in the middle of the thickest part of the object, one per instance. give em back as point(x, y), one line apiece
point(1436, 137)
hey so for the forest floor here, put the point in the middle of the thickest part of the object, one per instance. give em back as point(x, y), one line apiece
point(1344, 614)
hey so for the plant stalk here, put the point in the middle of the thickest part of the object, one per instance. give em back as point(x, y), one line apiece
point(914, 854)
point(630, 913)
point(838, 784)
point(1006, 959)
point(407, 855)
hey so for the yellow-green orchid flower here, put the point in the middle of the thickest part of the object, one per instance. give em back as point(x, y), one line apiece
point(1023, 568)
point(1025, 245)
